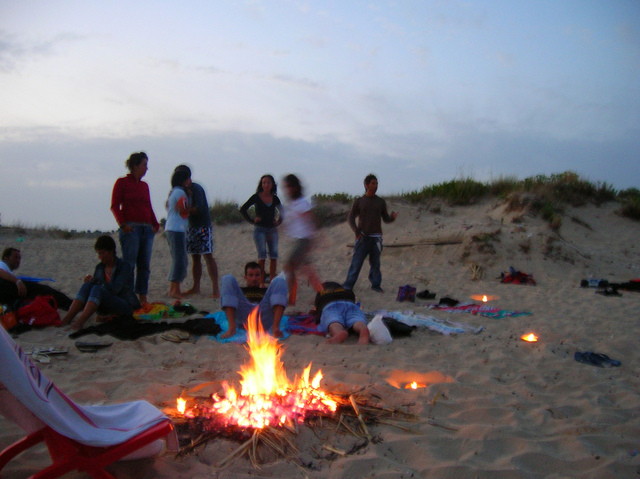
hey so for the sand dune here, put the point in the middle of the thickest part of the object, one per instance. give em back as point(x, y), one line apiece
point(509, 409)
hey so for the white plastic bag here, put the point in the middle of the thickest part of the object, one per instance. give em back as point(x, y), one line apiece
point(378, 332)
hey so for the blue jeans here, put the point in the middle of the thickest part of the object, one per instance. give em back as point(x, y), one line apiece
point(136, 250)
point(107, 302)
point(344, 312)
point(366, 245)
point(180, 260)
point(231, 295)
point(266, 238)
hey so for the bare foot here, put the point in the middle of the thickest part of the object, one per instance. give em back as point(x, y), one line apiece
point(176, 295)
point(278, 334)
point(191, 291)
point(228, 334)
point(215, 294)
point(338, 338)
point(143, 299)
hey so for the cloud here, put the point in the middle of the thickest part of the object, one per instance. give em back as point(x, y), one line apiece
point(15, 50)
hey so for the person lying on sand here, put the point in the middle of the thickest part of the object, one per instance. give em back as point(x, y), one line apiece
point(338, 313)
point(13, 288)
point(108, 291)
point(238, 302)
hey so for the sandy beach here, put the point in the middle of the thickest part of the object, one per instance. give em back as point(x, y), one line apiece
point(498, 407)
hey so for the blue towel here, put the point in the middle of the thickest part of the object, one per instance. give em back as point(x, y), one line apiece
point(241, 335)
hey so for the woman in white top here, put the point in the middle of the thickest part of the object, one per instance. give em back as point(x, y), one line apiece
point(299, 222)
point(175, 230)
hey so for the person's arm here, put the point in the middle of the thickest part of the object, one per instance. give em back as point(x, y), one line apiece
point(277, 208)
point(351, 219)
point(117, 197)
point(243, 209)
point(386, 217)
point(22, 289)
point(182, 206)
point(152, 215)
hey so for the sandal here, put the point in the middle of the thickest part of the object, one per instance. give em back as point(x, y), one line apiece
point(91, 347)
point(425, 295)
point(596, 359)
point(176, 336)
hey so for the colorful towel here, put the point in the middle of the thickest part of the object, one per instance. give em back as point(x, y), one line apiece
point(480, 310)
point(156, 312)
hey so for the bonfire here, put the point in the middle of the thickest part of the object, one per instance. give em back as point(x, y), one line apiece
point(269, 408)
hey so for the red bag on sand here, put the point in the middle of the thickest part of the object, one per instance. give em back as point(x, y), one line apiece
point(42, 311)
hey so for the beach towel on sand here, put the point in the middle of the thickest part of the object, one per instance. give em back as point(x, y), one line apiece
point(127, 328)
point(90, 425)
point(480, 310)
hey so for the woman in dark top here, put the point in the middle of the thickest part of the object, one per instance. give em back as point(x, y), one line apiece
point(108, 291)
point(266, 222)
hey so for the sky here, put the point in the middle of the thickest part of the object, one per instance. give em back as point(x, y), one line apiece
point(417, 92)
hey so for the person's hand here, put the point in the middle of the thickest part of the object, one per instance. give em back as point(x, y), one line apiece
point(87, 278)
point(393, 215)
point(22, 289)
point(126, 228)
point(358, 236)
point(257, 220)
point(156, 228)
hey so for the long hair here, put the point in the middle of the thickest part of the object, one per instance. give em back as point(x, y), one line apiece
point(294, 182)
point(274, 189)
point(179, 177)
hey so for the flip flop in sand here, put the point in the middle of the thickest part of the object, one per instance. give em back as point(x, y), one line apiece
point(609, 291)
point(86, 347)
point(176, 336)
point(596, 359)
point(426, 295)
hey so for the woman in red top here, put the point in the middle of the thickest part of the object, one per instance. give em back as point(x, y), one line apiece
point(131, 206)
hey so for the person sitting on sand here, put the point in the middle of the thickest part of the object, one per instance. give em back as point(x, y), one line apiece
point(13, 289)
point(108, 291)
point(238, 302)
point(338, 313)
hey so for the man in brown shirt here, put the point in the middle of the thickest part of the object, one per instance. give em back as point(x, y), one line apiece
point(370, 210)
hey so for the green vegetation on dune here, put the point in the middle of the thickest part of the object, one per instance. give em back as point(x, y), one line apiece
point(547, 195)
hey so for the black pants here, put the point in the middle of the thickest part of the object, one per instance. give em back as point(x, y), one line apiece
point(9, 293)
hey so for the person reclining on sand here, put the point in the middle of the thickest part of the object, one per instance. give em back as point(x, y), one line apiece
point(338, 313)
point(13, 289)
point(108, 291)
point(238, 302)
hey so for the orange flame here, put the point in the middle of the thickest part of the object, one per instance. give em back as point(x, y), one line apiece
point(532, 338)
point(483, 297)
point(267, 397)
point(181, 405)
point(414, 385)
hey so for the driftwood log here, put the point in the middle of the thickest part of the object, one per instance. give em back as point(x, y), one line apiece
point(424, 242)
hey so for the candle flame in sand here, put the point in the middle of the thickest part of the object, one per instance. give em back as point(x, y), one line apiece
point(531, 338)
point(267, 397)
point(485, 298)
point(414, 385)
